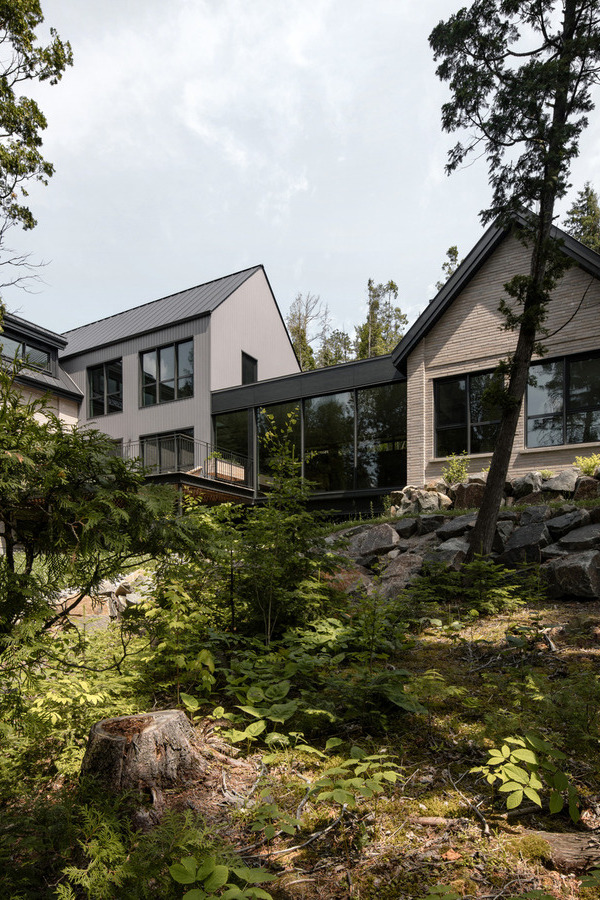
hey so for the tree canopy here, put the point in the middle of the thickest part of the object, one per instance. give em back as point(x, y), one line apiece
point(583, 218)
point(22, 121)
point(383, 326)
point(71, 511)
point(521, 76)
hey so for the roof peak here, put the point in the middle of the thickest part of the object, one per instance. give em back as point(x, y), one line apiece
point(162, 299)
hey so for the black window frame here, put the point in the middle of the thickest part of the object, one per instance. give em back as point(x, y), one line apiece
point(468, 424)
point(106, 394)
point(23, 354)
point(567, 407)
point(143, 386)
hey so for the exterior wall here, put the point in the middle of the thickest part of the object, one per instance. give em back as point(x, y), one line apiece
point(136, 420)
point(249, 321)
point(66, 410)
point(469, 338)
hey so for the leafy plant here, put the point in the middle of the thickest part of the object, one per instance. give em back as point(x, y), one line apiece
point(359, 776)
point(456, 468)
point(213, 878)
point(525, 767)
point(588, 464)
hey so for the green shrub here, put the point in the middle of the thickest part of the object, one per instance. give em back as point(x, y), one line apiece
point(588, 464)
point(456, 468)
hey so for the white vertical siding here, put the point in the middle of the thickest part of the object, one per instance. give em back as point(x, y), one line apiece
point(249, 321)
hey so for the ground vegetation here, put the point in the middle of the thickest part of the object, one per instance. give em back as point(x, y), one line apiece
point(361, 745)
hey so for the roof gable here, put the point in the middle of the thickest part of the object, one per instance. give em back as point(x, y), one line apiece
point(180, 307)
point(587, 259)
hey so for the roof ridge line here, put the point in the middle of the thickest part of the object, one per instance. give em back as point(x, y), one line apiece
point(162, 299)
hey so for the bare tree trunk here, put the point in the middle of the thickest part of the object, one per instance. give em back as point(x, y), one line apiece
point(535, 299)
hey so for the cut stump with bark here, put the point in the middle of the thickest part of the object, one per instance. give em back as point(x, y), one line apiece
point(572, 852)
point(144, 753)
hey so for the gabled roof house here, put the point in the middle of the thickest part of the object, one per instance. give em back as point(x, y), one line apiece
point(191, 381)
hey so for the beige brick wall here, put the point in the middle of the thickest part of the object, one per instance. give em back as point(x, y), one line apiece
point(66, 410)
point(469, 338)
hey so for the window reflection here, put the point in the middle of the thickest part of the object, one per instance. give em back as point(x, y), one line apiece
point(329, 441)
point(381, 450)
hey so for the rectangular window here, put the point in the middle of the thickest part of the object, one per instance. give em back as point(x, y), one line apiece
point(563, 402)
point(465, 418)
point(167, 373)
point(105, 388)
point(34, 357)
point(329, 441)
point(169, 452)
point(381, 436)
point(249, 369)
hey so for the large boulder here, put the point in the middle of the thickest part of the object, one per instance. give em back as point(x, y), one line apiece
point(373, 542)
point(586, 538)
point(451, 554)
point(525, 545)
point(587, 489)
point(405, 528)
point(399, 573)
point(456, 526)
point(526, 484)
point(504, 529)
point(427, 524)
point(574, 575)
point(417, 500)
point(563, 483)
point(561, 525)
point(468, 496)
point(535, 514)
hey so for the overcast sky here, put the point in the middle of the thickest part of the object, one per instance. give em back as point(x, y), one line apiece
point(196, 138)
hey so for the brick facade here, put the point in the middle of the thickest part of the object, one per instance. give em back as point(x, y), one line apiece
point(469, 338)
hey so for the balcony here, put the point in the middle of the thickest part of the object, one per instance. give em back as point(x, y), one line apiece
point(178, 453)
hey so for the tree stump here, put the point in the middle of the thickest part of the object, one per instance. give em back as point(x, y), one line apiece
point(572, 852)
point(144, 753)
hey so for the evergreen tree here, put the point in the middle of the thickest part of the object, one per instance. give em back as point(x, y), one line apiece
point(521, 76)
point(450, 266)
point(583, 218)
point(383, 327)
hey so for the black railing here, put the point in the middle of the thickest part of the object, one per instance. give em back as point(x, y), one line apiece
point(162, 454)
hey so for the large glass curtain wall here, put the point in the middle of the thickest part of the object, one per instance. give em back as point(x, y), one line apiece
point(348, 441)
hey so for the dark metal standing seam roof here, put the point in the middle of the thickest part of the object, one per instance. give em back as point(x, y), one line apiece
point(180, 307)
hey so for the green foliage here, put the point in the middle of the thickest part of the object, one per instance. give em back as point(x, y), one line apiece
point(450, 266)
point(481, 587)
point(359, 777)
point(72, 513)
point(54, 690)
point(21, 119)
point(583, 218)
point(384, 324)
point(588, 464)
point(270, 820)
point(214, 877)
point(282, 558)
point(456, 468)
point(526, 766)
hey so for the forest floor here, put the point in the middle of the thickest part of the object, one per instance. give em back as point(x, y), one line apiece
point(535, 669)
